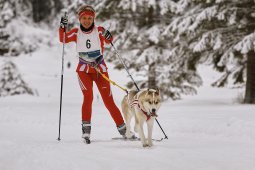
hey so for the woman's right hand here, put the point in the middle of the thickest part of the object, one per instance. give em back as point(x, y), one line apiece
point(63, 21)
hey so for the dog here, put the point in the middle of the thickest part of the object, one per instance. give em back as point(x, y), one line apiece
point(143, 105)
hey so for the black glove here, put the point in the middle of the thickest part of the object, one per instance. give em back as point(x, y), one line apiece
point(107, 35)
point(63, 22)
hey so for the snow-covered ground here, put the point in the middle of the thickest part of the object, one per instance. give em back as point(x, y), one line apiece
point(208, 131)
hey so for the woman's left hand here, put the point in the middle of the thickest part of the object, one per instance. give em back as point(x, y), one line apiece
point(107, 35)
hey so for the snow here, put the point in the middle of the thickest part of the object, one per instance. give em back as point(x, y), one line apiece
point(154, 34)
point(11, 82)
point(7, 13)
point(232, 18)
point(23, 40)
point(125, 4)
point(206, 131)
point(246, 44)
point(202, 43)
point(218, 42)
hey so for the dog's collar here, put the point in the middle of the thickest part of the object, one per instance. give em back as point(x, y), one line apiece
point(144, 112)
point(147, 114)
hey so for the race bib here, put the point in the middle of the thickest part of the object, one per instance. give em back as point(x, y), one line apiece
point(88, 45)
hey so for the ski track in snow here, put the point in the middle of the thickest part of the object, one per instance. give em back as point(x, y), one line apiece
point(206, 131)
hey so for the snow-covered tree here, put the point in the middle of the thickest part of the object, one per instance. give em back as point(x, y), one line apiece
point(18, 32)
point(163, 41)
point(12, 13)
point(219, 32)
point(11, 82)
point(6, 14)
point(138, 28)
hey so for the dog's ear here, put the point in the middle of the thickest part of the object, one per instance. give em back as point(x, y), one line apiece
point(148, 91)
point(157, 91)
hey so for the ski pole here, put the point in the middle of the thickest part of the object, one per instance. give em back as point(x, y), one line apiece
point(62, 79)
point(121, 60)
point(161, 129)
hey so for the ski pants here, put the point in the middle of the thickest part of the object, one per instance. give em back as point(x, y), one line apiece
point(86, 84)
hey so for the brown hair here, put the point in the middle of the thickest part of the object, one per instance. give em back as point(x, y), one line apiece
point(85, 8)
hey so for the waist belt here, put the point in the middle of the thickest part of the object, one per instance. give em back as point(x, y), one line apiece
point(95, 63)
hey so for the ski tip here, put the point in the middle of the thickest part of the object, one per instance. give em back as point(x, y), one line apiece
point(87, 141)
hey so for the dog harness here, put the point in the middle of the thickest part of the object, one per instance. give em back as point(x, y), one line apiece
point(147, 114)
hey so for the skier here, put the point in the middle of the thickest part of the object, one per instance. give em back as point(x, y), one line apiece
point(90, 40)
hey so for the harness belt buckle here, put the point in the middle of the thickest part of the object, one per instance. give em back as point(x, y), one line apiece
point(93, 64)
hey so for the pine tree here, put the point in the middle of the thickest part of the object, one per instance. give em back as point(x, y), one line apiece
point(163, 41)
point(6, 14)
point(219, 32)
point(11, 82)
point(138, 27)
point(14, 15)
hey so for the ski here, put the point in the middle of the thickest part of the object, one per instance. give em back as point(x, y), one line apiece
point(134, 139)
point(87, 140)
point(126, 139)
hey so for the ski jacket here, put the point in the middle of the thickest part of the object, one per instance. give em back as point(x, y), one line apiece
point(89, 43)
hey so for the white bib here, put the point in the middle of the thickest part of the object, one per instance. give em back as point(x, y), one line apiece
point(88, 43)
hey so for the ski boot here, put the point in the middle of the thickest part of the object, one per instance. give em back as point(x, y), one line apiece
point(122, 130)
point(87, 140)
point(86, 129)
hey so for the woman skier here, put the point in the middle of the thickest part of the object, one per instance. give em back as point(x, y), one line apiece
point(90, 40)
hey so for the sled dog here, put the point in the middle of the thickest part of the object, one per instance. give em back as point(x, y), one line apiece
point(143, 105)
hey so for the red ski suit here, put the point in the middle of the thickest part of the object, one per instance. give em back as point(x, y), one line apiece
point(87, 74)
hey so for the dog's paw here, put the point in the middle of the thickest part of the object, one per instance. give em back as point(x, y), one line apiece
point(130, 135)
point(145, 145)
point(150, 144)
